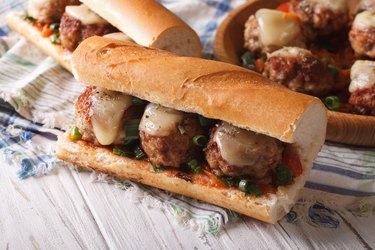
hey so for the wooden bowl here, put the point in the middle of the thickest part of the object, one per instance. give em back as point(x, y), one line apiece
point(228, 46)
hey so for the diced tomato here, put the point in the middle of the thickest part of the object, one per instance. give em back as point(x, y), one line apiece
point(259, 65)
point(293, 163)
point(46, 31)
point(267, 188)
point(284, 7)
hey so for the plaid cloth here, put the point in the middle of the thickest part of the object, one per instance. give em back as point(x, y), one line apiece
point(39, 96)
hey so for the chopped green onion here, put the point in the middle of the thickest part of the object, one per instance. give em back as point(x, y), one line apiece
point(139, 153)
point(131, 130)
point(121, 152)
point(200, 140)
point(264, 58)
point(249, 187)
point(54, 26)
point(332, 103)
point(193, 164)
point(248, 60)
point(136, 101)
point(29, 18)
point(75, 134)
point(158, 169)
point(55, 38)
point(228, 181)
point(335, 71)
point(283, 175)
point(205, 121)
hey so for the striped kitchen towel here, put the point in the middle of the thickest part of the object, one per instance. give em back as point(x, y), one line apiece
point(39, 96)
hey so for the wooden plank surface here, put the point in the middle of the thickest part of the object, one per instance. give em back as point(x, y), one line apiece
point(65, 210)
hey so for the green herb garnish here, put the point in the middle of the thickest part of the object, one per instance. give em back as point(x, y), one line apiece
point(248, 60)
point(283, 175)
point(75, 134)
point(193, 164)
point(249, 187)
point(332, 103)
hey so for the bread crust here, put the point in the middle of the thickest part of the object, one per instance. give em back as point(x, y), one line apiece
point(150, 24)
point(268, 208)
point(31, 33)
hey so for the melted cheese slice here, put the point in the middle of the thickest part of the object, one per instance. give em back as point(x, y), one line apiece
point(84, 14)
point(36, 7)
point(335, 5)
point(364, 20)
point(276, 27)
point(362, 75)
point(240, 147)
point(290, 51)
point(107, 111)
point(160, 121)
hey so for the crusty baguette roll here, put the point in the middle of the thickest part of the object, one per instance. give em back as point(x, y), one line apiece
point(31, 33)
point(213, 89)
point(149, 24)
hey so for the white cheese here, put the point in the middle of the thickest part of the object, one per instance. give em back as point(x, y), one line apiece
point(290, 51)
point(84, 14)
point(240, 147)
point(37, 7)
point(364, 20)
point(107, 111)
point(160, 121)
point(362, 75)
point(276, 27)
point(335, 5)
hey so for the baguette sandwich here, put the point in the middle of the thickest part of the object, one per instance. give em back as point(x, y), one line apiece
point(58, 26)
point(204, 129)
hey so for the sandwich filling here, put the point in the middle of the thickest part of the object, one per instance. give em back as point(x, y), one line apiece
point(184, 145)
point(66, 22)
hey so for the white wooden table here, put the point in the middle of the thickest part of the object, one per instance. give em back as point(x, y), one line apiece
point(64, 210)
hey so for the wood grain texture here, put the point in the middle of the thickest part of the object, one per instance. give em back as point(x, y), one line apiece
point(45, 213)
point(228, 46)
point(68, 211)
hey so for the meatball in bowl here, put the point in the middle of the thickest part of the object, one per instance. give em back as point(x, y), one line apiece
point(299, 70)
point(362, 87)
point(269, 30)
point(362, 34)
point(321, 17)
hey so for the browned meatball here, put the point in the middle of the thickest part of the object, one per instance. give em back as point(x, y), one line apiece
point(321, 18)
point(232, 151)
point(362, 87)
point(73, 32)
point(288, 32)
point(166, 136)
point(48, 11)
point(362, 34)
point(363, 101)
point(105, 100)
point(299, 70)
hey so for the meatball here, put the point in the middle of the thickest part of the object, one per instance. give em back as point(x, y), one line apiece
point(166, 136)
point(362, 87)
point(362, 34)
point(48, 11)
point(269, 30)
point(101, 114)
point(232, 151)
point(321, 18)
point(73, 31)
point(299, 70)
